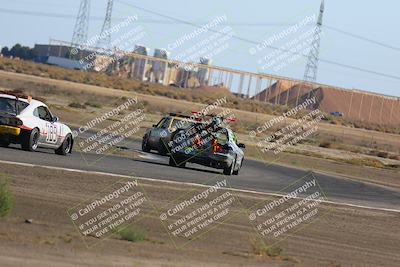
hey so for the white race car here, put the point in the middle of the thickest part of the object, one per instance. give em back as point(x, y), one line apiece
point(30, 123)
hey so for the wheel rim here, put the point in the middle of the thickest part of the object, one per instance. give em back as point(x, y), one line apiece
point(68, 145)
point(35, 141)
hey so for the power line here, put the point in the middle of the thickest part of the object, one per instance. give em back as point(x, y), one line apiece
point(237, 24)
point(269, 46)
point(178, 21)
point(362, 38)
point(151, 21)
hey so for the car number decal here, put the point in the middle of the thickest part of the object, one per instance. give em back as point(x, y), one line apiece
point(51, 136)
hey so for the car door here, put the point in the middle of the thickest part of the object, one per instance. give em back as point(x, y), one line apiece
point(50, 130)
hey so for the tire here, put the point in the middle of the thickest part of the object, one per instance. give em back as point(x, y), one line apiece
point(30, 140)
point(4, 143)
point(145, 145)
point(66, 146)
point(237, 171)
point(172, 162)
point(176, 162)
point(162, 150)
point(229, 170)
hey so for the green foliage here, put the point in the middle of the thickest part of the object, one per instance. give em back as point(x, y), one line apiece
point(19, 51)
point(261, 249)
point(130, 234)
point(93, 104)
point(6, 198)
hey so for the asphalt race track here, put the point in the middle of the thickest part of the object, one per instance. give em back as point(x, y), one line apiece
point(254, 175)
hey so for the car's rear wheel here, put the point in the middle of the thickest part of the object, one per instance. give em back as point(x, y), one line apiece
point(4, 143)
point(229, 170)
point(30, 140)
point(177, 162)
point(236, 172)
point(66, 146)
point(172, 162)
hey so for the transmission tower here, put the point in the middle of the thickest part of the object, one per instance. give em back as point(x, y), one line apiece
point(311, 71)
point(82, 24)
point(105, 36)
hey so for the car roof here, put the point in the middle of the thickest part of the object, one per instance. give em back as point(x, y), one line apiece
point(32, 102)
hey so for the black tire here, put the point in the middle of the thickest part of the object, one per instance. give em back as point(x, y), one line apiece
point(176, 162)
point(229, 170)
point(66, 146)
point(30, 140)
point(4, 143)
point(162, 150)
point(145, 145)
point(237, 171)
point(172, 162)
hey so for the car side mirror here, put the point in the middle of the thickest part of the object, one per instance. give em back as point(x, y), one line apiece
point(241, 145)
point(55, 119)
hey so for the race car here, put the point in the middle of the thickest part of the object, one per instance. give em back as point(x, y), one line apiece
point(159, 135)
point(30, 123)
point(211, 145)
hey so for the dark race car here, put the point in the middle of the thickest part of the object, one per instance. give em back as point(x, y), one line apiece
point(159, 135)
point(211, 145)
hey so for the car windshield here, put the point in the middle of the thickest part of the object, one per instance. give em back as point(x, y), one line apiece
point(181, 123)
point(7, 105)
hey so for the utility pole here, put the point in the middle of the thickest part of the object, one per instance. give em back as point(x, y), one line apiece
point(311, 71)
point(81, 28)
point(104, 40)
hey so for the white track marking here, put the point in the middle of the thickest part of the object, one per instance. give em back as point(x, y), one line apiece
point(186, 183)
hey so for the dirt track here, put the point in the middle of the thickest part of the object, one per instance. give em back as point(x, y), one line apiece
point(344, 237)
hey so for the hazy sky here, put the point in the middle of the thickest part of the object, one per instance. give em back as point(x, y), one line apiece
point(375, 20)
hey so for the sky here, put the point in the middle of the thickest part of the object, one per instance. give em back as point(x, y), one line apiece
point(252, 21)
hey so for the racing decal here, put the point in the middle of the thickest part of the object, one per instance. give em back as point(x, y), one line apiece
point(51, 131)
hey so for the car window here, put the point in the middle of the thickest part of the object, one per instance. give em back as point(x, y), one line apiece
point(44, 114)
point(160, 123)
point(179, 123)
point(165, 123)
point(8, 105)
point(221, 136)
point(232, 136)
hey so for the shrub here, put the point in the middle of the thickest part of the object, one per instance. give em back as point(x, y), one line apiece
point(261, 249)
point(325, 144)
point(6, 198)
point(130, 234)
point(93, 104)
point(77, 105)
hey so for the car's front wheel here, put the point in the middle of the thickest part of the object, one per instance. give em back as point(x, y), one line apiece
point(145, 144)
point(30, 140)
point(162, 149)
point(66, 146)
